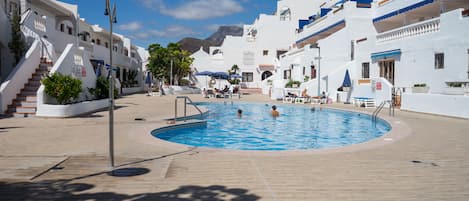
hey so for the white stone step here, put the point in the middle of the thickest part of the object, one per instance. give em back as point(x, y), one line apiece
point(29, 110)
point(34, 82)
point(22, 115)
point(27, 98)
point(27, 104)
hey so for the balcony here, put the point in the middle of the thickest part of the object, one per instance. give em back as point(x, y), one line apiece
point(417, 29)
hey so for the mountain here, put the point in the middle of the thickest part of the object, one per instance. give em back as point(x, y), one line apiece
point(193, 44)
point(216, 39)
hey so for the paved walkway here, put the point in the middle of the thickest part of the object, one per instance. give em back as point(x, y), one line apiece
point(67, 159)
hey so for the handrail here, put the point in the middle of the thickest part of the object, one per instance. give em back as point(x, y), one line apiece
point(186, 98)
point(374, 117)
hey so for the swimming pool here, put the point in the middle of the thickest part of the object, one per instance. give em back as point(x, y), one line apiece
point(297, 128)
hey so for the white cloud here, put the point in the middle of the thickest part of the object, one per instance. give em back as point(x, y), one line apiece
point(196, 9)
point(131, 26)
point(169, 32)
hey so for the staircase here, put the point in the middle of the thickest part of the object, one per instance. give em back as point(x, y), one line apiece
point(24, 105)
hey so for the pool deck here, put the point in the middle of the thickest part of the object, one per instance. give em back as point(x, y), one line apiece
point(426, 157)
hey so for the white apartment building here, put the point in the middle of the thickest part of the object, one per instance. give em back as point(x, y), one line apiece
point(388, 46)
point(256, 52)
point(56, 36)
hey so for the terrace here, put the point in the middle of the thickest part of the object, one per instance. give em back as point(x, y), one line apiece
point(72, 163)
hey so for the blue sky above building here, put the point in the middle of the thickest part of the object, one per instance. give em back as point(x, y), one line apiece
point(164, 21)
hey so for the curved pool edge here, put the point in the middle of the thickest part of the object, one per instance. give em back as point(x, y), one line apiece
point(399, 130)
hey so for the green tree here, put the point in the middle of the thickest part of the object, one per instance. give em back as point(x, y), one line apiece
point(160, 62)
point(17, 45)
point(234, 69)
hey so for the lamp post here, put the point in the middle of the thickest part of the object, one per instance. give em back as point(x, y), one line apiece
point(112, 20)
point(315, 45)
point(171, 73)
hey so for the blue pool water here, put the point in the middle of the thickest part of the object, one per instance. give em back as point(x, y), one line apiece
point(297, 128)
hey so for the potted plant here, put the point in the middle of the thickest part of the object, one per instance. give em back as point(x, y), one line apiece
point(420, 88)
point(455, 88)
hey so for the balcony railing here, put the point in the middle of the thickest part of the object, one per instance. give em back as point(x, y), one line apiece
point(421, 28)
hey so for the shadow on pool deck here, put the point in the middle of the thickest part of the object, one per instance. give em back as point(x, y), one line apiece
point(67, 190)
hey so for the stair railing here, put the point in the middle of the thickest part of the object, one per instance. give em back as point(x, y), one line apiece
point(186, 100)
point(374, 117)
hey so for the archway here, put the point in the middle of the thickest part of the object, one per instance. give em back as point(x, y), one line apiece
point(266, 74)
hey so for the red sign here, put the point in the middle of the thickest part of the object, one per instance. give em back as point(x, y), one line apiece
point(83, 71)
point(378, 86)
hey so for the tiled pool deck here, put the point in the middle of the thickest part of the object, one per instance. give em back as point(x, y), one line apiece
point(67, 159)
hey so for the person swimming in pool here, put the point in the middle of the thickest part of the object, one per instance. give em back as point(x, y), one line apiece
point(274, 111)
point(240, 113)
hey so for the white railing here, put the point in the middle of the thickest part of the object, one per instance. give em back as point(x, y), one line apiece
point(421, 28)
point(47, 49)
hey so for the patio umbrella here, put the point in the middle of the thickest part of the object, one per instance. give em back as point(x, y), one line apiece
point(222, 75)
point(204, 73)
point(98, 70)
point(148, 79)
point(347, 82)
point(235, 76)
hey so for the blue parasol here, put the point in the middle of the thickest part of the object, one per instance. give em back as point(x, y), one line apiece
point(220, 75)
point(98, 70)
point(347, 82)
point(148, 78)
point(205, 73)
point(235, 76)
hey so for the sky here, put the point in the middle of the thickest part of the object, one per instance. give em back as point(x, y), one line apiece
point(163, 21)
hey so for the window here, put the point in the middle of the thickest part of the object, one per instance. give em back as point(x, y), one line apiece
point(98, 41)
point(248, 77)
point(304, 70)
point(439, 60)
point(265, 52)
point(62, 28)
point(366, 70)
point(69, 30)
point(287, 74)
point(352, 50)
point(132, 54)
point(313, 72)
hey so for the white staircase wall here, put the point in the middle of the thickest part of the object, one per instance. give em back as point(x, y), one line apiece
point(20, 75)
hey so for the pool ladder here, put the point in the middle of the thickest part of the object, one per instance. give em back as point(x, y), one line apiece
point(186, 100)
point(374, 117)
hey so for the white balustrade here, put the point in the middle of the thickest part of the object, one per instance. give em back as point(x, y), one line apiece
point(421, 28)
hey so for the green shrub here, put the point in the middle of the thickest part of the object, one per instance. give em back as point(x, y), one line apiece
point(234, 81)
point(184, 82)
point(64, 88)
point(102, 89)
point(306, 78)
point(291, 83)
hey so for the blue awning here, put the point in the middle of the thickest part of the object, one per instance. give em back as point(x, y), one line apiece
point(321, 31)
point(403, 10)
point(302, 23)
point(385, 54)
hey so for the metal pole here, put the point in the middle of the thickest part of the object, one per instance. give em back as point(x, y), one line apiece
point(171, 74)
point(185, 108)
point(175, 108)
point(319, 71)
point(111, 87)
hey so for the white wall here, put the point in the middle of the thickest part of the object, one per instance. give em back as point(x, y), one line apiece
point(449, 105)
point(19, 76)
